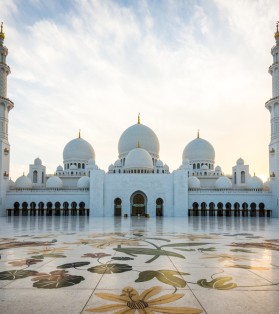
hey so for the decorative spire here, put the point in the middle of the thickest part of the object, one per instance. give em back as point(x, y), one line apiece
point(79, 133)
point(138, 145)
point(198, 135)
point(276, 35)
point(139, 118)
point(2, 35)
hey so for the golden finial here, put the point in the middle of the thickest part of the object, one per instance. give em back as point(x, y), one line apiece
point(198, 136)
point(23, 173)
point(276, 35)
point(138, 145)
point(2, 35)
point(139, 118)
point(79, 133)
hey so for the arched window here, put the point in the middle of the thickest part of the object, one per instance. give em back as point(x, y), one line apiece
point(41, 205)
point(65, 205)
point(242, 177)
point(79, 165)
point(35, 176)
point(234, 178)
point(49, 205)
point(194, 166)
point(57, 205)
point(198, 166)
point(74, 205)
point(33, 205)
point(83, 166)
point(82, 205)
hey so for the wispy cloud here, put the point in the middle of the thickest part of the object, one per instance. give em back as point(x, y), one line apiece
point(183, 64)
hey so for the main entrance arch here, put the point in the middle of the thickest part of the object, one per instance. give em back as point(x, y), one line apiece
point(138, 204)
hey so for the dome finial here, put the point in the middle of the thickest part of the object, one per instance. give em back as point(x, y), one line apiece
point(138, 145)
point(79, 133)
point(276, 35)
point(139, 118)
point(2, 35)
point(198, 135)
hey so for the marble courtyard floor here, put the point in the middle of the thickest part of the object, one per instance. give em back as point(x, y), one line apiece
point(141, 265)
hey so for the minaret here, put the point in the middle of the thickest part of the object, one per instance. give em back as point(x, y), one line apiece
point(273, 106)
point(5, 106)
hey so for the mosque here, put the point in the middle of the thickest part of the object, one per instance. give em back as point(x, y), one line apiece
point(139, 183)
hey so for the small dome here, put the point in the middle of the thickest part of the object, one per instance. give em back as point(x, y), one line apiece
point(118, 163)
point(54, 182)
point(78, 149)
point(11, 184)
point(240, 161)
point(138, 133)
point(204, 167)
point(73, 167)
point(139, 158)
point(23, 182)
point(199, 149)
point(111, 167)
point(194, 183)
point(83, 182)
point(59, 168)
point(218, 169)
point(223, 183)
point(166, 167)
point(254, 183)
point(159, 163)
point(266, 186)
point(38, 162)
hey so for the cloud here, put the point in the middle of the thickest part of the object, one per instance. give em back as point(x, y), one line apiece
point(183, 64)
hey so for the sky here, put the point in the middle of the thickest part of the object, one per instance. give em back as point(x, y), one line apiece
point(183, 64)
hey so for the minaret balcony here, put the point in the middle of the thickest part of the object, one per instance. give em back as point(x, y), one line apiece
point(8, 102)
point(271, 102)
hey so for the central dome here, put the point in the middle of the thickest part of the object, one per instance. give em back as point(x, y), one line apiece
point(78, 149)
point(139, 158)
point(141, 134)
point(199, 149)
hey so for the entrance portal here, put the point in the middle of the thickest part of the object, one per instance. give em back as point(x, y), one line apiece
point(138, 204)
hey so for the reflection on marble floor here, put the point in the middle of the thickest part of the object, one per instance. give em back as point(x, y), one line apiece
point(139, 265)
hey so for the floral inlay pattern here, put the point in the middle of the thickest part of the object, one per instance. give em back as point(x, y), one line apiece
point(130, 302)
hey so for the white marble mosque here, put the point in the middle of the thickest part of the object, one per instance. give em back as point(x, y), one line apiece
point(139, 183)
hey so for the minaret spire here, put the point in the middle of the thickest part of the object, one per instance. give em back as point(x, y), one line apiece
point(198, 135)
point(2, 34)
point(139, 118)
point(276, 34)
